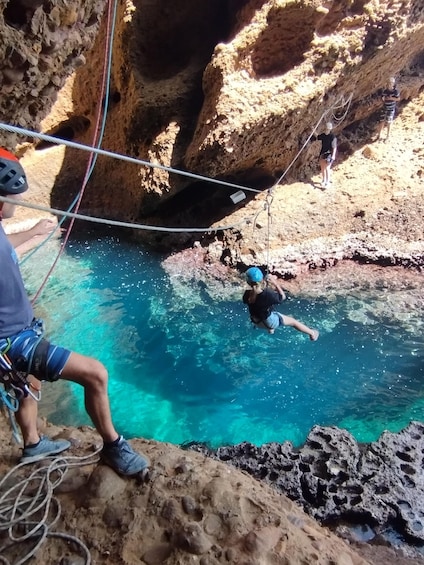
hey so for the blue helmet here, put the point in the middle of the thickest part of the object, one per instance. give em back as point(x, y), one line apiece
point(254, 275)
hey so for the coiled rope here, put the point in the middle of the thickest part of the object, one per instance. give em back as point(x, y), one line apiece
point(23, 502)
point(29, 510)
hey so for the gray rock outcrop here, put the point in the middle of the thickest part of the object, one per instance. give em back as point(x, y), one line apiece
point(335, 479)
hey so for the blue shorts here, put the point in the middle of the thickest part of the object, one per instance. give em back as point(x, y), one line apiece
point(32, 354)
point(274, 320)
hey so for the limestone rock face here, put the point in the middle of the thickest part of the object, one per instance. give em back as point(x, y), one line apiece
point(289, 66)
point(229, 89)
point(334, 478)
point(42, 43)
point(193, 510)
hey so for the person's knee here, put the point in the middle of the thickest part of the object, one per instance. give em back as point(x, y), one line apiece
point(97, 374)
point(86, 371)
point(286, 320)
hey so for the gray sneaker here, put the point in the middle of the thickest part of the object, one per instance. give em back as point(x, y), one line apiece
point(123, 459)
point(44, 448)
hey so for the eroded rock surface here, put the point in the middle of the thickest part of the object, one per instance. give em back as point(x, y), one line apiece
point(193, 510)
point(336, 479)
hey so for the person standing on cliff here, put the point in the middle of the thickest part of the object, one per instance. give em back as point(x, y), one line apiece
point(261, 301)
point(390, 97)
point(327, 154)
point(23, 344)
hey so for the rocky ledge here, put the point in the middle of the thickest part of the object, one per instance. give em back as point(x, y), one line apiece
point(337, 480)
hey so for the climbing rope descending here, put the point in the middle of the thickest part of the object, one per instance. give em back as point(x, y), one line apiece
point(22, 504)
point(97, 139)
point(340, 103)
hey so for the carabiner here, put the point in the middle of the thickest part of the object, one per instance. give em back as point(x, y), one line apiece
point(35, 395)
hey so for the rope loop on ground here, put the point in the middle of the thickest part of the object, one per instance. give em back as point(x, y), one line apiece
point(29, 509)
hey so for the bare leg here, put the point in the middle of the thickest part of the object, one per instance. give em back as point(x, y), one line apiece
point(26, 417)
point(380, 129)
point(92, 375)
point(327, 173)
point(292, 322)
point(323, 165)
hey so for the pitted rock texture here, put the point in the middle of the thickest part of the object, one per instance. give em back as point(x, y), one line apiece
point(42, 43)
point(306, 60)
point(229, 89)
point(336, 479)
point(192, 511)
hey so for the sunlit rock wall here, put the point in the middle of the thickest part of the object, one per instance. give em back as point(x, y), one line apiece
point(222, 88)
point(41, 44)
point(291, 65)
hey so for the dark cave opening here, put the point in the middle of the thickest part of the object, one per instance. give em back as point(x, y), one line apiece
point(67, 130)
point(202, 204)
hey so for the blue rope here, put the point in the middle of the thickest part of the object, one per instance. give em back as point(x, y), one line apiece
point(11, 402)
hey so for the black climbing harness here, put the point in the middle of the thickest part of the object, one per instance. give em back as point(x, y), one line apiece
point(14, 386)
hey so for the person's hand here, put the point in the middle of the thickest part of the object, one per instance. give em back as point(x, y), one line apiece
point(44, 227)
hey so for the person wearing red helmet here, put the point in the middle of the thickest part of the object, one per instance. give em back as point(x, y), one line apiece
point(261, 301)
point(22, 341)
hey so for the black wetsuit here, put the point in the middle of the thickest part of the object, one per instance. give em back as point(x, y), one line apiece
point(263, 305)
point(326, 145)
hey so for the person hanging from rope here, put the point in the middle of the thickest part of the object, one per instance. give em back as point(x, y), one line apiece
point(327, 154)
point(261, 301)
point(23, 344)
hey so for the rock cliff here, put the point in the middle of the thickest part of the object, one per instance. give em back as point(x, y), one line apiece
point(193, 510)
point(229, 90)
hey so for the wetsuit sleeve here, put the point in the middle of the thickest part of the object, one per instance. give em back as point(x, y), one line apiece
point(273, 297)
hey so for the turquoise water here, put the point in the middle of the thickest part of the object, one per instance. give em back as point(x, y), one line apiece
point(184, 367)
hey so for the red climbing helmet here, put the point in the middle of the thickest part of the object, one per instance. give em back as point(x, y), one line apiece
point(12, 175)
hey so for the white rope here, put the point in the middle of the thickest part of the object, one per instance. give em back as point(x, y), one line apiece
point(28, 505)
point(323, 115)
point(344, 103)
point(341, 103)
point(118, 223)
point(120, 156)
